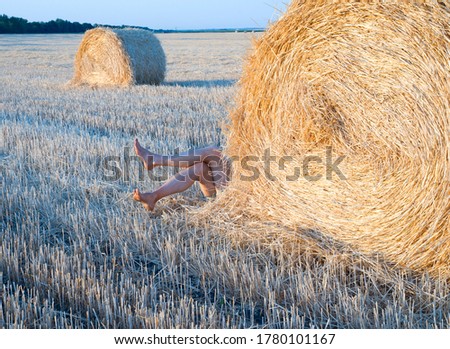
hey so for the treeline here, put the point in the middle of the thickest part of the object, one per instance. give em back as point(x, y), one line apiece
point(16, 25)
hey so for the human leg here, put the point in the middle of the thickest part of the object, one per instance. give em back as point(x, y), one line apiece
point(180, 182)
point(211, 156)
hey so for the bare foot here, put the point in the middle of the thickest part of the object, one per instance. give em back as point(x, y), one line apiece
point(147, 199)
point(147, 157)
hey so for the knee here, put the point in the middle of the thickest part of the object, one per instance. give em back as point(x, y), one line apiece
point(198, 171)
point(215, 151)
point(212, 155)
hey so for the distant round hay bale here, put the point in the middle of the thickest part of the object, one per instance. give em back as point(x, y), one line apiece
point(367, 82)
point(119, 57)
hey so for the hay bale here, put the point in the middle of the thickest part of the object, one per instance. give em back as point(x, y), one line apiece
point(371, 81)
point(119, 57)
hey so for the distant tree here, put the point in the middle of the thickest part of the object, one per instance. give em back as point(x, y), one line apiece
point(16, 25)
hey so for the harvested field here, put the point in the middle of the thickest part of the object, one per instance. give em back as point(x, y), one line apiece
point(77, 252)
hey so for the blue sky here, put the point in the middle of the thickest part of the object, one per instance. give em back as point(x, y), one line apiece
point(156, 14)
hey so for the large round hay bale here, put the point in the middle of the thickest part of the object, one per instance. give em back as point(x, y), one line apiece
point(360, 88)
point(119, 57)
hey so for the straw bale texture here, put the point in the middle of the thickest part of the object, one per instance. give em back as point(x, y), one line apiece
point(371, 81)
point(119, 57)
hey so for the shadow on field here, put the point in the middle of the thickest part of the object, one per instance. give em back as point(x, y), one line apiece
point(201, 83)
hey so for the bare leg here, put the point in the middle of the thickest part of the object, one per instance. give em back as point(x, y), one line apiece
point(180, 182)
point(210, 155)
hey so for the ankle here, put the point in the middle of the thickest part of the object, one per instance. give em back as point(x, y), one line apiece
point(156, 196)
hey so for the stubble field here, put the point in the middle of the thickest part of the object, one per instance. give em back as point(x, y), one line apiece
point(77, 252)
